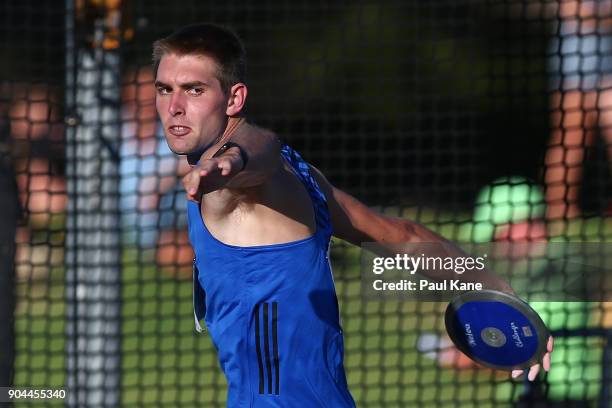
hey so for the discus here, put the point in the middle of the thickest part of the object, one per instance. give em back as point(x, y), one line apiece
point(496, 329)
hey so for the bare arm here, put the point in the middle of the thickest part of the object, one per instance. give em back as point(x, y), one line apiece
point(263, 152)
point(262, 149)
point(356, 223)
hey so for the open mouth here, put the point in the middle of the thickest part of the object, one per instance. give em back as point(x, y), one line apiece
point(179, 130)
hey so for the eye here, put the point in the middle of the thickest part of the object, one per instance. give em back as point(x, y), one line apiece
point(163, 90)
point(195, 91)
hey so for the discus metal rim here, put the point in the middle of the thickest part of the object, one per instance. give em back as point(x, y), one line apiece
point(488, 295)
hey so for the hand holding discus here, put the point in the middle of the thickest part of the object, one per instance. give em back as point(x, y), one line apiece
point(500, 331)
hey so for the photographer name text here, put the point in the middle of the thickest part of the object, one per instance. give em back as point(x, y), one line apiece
point(426, 285)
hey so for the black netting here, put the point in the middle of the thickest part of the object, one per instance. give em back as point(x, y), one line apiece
point(432, 111)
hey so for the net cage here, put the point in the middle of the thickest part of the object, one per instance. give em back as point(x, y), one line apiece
point(450, 113)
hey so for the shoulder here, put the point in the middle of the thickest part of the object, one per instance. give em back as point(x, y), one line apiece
point(263, 136)
point(321, 180)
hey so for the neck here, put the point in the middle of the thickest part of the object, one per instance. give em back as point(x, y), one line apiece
point(233, 123)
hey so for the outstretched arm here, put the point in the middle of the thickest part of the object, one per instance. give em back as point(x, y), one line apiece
point(356, 223)
point(262, 151)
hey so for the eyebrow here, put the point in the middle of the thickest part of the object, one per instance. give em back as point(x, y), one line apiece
point(186, 85)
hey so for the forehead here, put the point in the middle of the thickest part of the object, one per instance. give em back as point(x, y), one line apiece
point(174, 68)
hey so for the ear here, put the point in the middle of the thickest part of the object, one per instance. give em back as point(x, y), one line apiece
point(237, 99)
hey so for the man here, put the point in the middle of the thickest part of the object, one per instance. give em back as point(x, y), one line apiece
point(261, 234)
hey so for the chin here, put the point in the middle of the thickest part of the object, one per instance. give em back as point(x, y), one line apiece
point(180, 152)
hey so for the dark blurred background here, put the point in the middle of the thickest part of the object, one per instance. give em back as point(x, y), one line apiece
point(410, 105)
point(397, 102)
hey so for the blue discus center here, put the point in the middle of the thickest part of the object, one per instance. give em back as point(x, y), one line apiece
point(476, 319)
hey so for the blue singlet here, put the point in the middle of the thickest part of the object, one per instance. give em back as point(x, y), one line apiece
point(272, 312)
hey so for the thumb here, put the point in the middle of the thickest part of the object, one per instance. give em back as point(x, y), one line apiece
point(516, 373)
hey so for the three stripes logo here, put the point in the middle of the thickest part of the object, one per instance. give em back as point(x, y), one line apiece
point(266, 341)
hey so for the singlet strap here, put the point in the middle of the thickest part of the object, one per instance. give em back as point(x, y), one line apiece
point(302, 170)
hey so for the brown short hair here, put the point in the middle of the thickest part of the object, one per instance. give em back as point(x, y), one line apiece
point(211, 40)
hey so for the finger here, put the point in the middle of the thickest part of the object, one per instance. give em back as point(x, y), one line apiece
point(533, 372)
point(550, 345)
point(226, 167)
point(207, 167)
point(191, 183)
point(546, 362)
point(516, 373)
point(186, 184)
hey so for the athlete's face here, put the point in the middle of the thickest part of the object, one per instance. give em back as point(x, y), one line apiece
point(190, 102)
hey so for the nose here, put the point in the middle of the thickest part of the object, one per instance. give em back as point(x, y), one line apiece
point(176, 107)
